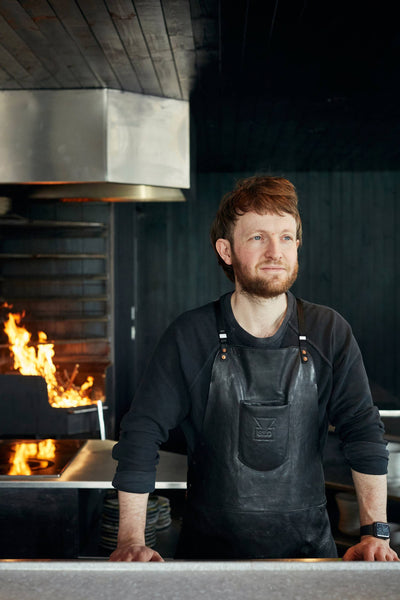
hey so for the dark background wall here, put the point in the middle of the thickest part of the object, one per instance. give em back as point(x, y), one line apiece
point(348, 261)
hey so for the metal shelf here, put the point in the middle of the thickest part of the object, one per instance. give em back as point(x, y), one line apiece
point(28, 299)
point(64, 342)
point(50, 224)
point(83, 256)
point(15, 229)
point(58, 318)
point(82, 359)
point(56, 278)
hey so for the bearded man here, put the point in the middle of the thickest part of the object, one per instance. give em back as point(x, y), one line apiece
point(254, 380)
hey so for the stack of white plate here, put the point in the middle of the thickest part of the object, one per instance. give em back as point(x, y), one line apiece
point(164, 515)
point(109, 522)
point(151, 521)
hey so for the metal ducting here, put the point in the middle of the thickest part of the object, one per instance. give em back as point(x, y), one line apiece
point(94, 144)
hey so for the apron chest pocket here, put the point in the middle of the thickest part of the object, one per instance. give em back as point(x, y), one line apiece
point(263, 435)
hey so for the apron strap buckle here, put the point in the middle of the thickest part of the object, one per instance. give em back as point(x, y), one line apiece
point(223, 339)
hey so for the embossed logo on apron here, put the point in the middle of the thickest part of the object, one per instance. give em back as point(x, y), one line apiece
point(264, 430)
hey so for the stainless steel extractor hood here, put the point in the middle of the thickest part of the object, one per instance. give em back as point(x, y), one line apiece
point(95, 144)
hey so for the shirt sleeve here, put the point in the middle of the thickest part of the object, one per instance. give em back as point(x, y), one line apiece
point(351, 409)
point(160, 404)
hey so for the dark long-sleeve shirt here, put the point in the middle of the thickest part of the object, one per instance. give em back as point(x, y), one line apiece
point(174, 389)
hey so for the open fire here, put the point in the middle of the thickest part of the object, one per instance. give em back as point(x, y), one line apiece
point(28, 455)
point(31, 360)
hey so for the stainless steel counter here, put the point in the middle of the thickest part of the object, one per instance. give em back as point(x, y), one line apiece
point(94, 467)
point(180, 580)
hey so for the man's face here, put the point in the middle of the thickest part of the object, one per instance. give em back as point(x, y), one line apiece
point(264, 254)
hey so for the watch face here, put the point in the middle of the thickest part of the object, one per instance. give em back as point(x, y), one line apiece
point(382, 530)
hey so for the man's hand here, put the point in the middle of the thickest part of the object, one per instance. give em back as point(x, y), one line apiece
point(372, 549)
point(135, 552)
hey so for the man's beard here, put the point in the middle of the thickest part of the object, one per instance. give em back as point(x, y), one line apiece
point(264, 287)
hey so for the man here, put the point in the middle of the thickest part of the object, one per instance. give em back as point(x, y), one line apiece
point(253, 380)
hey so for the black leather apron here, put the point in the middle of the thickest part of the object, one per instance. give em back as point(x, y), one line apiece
point(255, 483)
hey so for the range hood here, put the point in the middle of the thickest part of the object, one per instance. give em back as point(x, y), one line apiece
point(93, 144)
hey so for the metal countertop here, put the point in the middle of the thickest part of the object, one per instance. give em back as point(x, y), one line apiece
point(94, 467)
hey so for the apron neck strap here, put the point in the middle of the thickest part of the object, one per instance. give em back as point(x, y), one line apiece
point(223, 337)
point(302, 331)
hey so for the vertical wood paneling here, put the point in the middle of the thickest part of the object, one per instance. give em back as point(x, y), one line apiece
point(386, 227)
point(124, 367)
point(395, 191)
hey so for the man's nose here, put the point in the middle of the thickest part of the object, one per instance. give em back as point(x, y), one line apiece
point(273, 248)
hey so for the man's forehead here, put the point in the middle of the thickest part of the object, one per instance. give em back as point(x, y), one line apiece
point(253, 218)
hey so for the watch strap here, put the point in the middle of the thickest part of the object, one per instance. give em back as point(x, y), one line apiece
point(377, 529)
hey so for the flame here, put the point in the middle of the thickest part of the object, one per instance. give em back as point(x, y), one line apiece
point(29, 360)
point(44, 450)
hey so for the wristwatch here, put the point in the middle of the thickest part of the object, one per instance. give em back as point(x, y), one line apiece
point(377, 529)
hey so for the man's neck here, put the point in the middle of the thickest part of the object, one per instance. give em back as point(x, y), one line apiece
point(261, 317)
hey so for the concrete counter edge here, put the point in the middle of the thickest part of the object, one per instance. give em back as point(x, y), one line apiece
point(177, 565)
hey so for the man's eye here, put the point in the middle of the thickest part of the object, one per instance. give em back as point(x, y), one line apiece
point(287, 238)
point(257, 237)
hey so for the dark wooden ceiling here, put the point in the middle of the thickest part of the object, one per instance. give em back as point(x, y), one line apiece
point(274, 85)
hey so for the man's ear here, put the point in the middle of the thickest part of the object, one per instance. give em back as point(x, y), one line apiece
point(224, 249)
